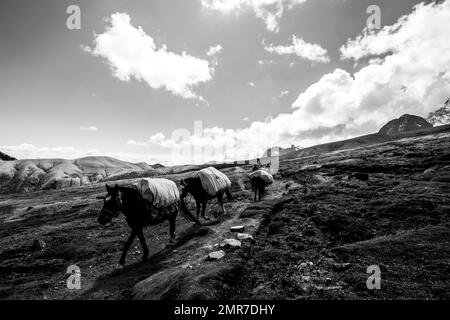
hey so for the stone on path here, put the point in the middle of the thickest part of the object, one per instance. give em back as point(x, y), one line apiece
point(216, 255)
point(230, 243)
point(237, 229)
point(244, 236)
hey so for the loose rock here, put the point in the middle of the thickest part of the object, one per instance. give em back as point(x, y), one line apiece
point(216, 255)
point(230, 243)
point(244, 236)
point(237, 229)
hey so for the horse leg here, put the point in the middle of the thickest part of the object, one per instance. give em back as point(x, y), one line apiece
point(141, 237)
point(204, 210)
point(172, 220)
point(198, 208)
point(220, 199)
point(126, 247)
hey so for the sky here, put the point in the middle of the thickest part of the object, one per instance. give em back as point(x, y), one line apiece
point(176, 81)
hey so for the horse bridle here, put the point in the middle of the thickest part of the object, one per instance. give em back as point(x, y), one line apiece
point(109, 212)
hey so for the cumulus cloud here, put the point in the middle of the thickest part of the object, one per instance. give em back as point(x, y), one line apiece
point(302, 49)
point(90, 128)
point(30, 151)
point(132, 53)
point(158, 139)
point(270, 11)
point(412, 54)
point(283, 93)
point(212, 51)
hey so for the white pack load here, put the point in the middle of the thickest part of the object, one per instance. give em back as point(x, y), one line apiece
point(161, 193)
point(264, 175)
point(213, 181)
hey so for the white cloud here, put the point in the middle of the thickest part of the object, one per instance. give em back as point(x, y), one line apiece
point(156, 140)
point(132, 53)
point(30, 151)
point(212, 51)
point(266, 62)
point(90, 128)
point(270, 11)
point(251, 84)
point(302, 49)
point(280, 96)
point(284, 93)
point(341, 105)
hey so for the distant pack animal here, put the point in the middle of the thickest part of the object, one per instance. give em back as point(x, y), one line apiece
point(259, 166)
point(260, 179)
point(138, 213)
point(198, 187)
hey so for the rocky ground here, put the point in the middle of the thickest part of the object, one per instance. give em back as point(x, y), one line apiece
point(324, 222)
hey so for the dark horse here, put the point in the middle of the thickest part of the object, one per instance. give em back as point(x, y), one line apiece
point(259, 186)
point(195, 188)
point(138, 214)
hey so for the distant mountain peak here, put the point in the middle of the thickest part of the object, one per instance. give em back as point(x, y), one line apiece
point(441, 116)
point(405, 123)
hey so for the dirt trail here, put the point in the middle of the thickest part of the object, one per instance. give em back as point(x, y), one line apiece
point(66, 221)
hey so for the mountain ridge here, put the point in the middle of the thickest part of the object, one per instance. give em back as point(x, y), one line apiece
point(34, 174)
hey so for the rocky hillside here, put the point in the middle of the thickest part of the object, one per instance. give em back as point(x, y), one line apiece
point(405, 123)
point(405, 126)
point(441, 116)
point(29, 175)
point(5, 157)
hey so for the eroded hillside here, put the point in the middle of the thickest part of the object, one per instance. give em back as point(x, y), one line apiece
point(31, 175)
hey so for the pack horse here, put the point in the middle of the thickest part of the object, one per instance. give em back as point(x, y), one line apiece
point(205, 185)
point(148, 202)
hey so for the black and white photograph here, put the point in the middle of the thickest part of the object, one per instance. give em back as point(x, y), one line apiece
point(225, 151)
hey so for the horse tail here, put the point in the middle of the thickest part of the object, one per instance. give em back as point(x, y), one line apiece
point(228, 193)
point(186, 213)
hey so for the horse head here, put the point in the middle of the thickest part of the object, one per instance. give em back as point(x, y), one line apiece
point(111, 205)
